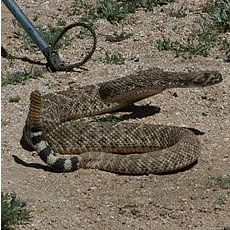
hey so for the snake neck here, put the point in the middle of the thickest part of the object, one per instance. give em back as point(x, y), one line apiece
point(135, 87)
point(153, 81)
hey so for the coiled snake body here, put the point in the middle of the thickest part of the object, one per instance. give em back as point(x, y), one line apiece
point(54, 126)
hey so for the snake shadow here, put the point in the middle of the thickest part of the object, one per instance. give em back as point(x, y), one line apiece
point(138, 111)
point(34, 165)
point(141, 111)
point(46, 168)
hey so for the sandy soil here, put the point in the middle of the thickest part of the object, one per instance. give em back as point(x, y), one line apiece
point(92, 199)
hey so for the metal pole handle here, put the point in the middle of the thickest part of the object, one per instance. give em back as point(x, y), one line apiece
point(28, 26)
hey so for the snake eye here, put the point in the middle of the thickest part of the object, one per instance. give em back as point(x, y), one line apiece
point(202, 79)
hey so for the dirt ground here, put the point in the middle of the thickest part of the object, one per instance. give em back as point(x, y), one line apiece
point(93, 199)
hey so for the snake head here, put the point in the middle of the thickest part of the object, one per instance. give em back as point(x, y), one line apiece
point(206, 78)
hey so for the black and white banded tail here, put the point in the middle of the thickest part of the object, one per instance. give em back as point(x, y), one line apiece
point(38, 139)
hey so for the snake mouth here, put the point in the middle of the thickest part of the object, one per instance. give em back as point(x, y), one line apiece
point(217, 78)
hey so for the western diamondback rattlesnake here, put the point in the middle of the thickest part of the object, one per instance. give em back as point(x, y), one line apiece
point(53, 126)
